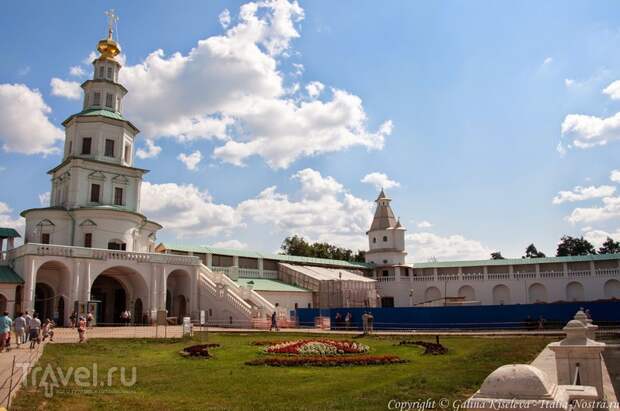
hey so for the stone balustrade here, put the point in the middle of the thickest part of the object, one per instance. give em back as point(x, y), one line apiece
point(99, 254)
point(607, 272)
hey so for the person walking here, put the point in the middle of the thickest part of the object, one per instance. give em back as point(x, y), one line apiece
point(28, 318)
point(347, 320)
point(89, 319)
point(5, 330)
point(82, 329)
point(34, 331)
point(274, 322)
point(20, 329)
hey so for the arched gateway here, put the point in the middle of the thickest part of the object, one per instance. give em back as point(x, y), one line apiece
point(115, 290)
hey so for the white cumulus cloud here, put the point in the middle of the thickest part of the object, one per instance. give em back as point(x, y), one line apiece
point(24, 123)
point(426, 246)
point(77, 71)
point(224, 18)
point(613, 90)
point(324, 211)
point(424, 224)
point(192, 160)
point(598, 237)
point(234, 244)
point(186, 211)
point(66, 89)
point(608, 210)
point(583, 193)
point(149, 151)
point(584, 131)
point(7, 219)
point(615, 176)
point(44, 199)
point(314, 88)
point(229, 88)
point(379, 180)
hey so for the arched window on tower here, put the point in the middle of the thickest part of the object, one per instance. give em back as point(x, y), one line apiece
point(385, 238)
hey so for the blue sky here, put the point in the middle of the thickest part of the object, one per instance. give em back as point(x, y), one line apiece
point(482, 112)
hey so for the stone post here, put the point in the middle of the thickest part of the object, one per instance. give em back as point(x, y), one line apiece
point(577, 351)
point(591, 328)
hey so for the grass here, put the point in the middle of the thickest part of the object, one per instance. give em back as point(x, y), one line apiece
point(167, 381)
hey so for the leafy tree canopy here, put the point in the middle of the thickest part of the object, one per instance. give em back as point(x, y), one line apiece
point(532, 252)
point(574, 246)
point(497, 256)
point(609, 247)
point(297, 245)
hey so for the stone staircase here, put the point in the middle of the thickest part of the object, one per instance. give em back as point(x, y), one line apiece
point(236, 304)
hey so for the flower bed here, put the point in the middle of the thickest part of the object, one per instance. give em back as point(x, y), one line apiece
point(327, 361)
point(316, 347)
point(201, 350)
point(429, 348)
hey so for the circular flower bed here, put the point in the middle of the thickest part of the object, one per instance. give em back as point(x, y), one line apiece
point(327, 361)
point(200, 350)
point(317, 347)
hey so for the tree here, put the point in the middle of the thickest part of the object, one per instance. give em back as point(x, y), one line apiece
point(497, 256)
point(532, 252)
point(609, 247)
point(574, 246)
point(296, 245)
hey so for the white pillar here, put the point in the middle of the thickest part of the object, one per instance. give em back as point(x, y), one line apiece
point(29, 286)
point(576, 350)
point(161, 302)
point(2, 243)
point(85, 280)
point(193, 297)
point(153, 295)
point(260, 266)
point(74, 294)
point(209, 260)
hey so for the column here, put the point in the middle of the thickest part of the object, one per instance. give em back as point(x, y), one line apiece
point(85, 280)
point(565, 270)
point(592, 269)
point(2, 243)
point(161, 301)
point(260, 267)
point(209, 260)
point(153, 295)
point(193, 297)
point(31, 280)
point(397, 273)
point(75, 284)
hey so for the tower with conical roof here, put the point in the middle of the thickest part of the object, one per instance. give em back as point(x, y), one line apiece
point(95, 194)
point(386, 236)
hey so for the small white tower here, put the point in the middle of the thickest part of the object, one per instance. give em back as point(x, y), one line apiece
point(386, 236)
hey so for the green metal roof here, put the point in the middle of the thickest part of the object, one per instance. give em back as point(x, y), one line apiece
point(277, 257)
point(6, 232)
point(8, 276)
point(264, 284)
point(518, 261)
point(114, 115)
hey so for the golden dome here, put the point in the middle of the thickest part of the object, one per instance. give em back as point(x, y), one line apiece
point(108, 48)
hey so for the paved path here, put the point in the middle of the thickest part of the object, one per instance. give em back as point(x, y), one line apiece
point(22, 355)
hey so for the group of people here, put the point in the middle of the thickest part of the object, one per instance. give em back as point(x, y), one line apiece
point(343, 322)
point(27, 328)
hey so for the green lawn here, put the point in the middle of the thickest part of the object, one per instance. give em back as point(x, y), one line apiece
point(165, 380)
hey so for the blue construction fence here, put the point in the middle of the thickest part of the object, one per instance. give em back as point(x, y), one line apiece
point(518, 316)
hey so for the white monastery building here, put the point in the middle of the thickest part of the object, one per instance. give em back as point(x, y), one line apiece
point(92, 249)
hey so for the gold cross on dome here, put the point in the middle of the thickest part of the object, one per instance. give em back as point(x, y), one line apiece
point(112, 19)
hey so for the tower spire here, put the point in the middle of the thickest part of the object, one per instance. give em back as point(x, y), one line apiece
point(108, 47)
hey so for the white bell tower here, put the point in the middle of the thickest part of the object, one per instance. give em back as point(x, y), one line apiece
point(95, 194)
point(386, 236)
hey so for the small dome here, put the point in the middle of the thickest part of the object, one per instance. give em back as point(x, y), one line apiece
point(581, 316)
point(517, 381)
